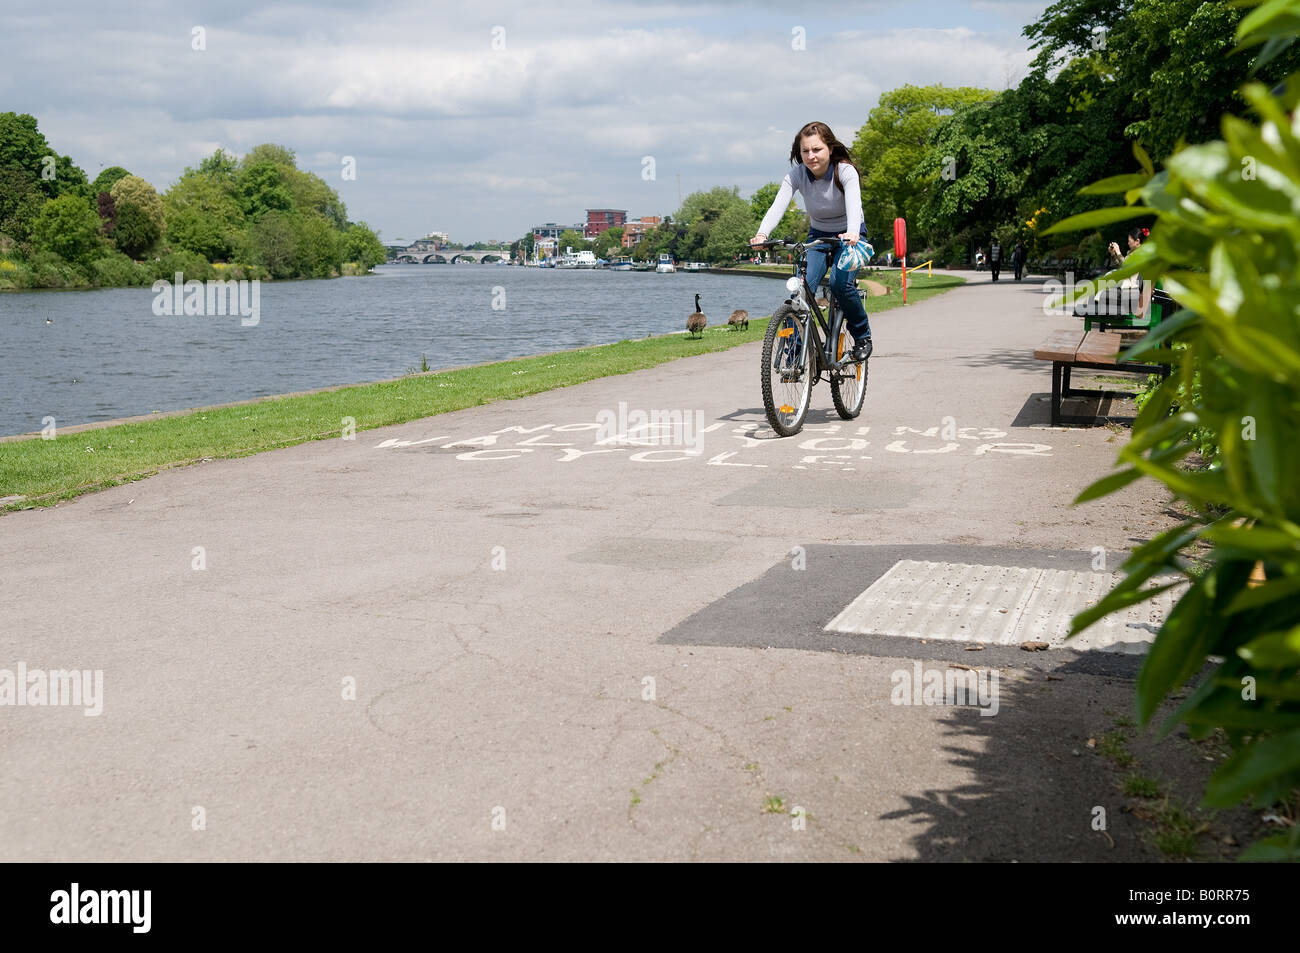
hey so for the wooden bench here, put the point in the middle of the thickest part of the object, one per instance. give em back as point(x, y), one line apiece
point(1092, 349)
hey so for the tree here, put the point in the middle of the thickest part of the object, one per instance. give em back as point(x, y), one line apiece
point(361, 245)
point(730, 234)
point(318, 251)
point(138, 215)
point(792, 224)
point(203, 214)
point(68, 227)
point(272, 242)
point(24, 150)
point(570, 238)
point(105, 181)
point(608, 242)
point(263, 189)
point(890, 147)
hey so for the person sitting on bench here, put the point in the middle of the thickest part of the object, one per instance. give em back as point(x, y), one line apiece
point(1136, 237)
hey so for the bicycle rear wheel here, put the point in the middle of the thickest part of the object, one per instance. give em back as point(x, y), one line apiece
point(787, 371)
point(848, 384)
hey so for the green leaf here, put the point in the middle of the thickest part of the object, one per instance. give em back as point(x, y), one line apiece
point(1098, 217)
point(1107, 485)
point(1271, 591)
point(1143, 159)
point(1113, 602)
point(1252, 769)
point(1274, 18)
point(1117, 183)
point(1278, 847)
point(1273, 649)
point(1178, 651)
point(1261, 542)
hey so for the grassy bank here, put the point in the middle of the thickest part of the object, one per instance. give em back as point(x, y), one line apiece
point(44, 472)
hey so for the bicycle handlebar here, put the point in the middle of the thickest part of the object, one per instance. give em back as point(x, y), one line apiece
point(784, 243)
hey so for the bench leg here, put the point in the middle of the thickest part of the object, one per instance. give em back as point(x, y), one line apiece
point(1056, 391)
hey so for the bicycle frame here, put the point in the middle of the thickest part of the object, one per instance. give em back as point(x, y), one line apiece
point(807, 303)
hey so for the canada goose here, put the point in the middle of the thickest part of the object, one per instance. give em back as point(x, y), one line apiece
point(696, 322)
point(739, 320)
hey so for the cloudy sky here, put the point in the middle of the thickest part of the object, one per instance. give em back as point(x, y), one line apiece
point(482, 119)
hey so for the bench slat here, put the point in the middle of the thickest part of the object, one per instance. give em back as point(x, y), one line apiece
point(1061, 346)
point(1099, 347)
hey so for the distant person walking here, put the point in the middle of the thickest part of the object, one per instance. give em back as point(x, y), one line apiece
point(995, 258)
point(1018, 259)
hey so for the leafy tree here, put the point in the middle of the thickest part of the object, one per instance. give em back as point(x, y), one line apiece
point(20, 203)
point(793, 222)
point(68, 227)
point(107, 212)
point(105, 181)
point(272, 242)
point(24, 149)
point(263, 189)
point(730, 234)
point(362, 246)
point(570, 238)
point(138, 215)
point(319, 247)
point(221, 167)
point(609, 242)
point(890, 147)
point(203, 214)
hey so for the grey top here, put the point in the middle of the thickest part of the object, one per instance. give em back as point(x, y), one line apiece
point(828, 209)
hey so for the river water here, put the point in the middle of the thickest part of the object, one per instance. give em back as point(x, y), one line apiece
point(108, 355)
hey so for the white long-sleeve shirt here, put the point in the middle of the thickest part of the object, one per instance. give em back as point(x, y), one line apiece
point(828, 209)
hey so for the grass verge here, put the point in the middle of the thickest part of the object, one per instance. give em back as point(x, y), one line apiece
point(45, 472)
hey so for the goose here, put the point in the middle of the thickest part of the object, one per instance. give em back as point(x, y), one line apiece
point(49, 320)
point(739, 320)
point(696, 322)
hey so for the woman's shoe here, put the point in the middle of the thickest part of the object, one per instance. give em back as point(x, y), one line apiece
point(862, 350)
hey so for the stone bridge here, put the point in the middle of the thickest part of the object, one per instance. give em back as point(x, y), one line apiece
point(426, 253)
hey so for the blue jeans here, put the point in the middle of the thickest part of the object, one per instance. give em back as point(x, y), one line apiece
point(843, 286)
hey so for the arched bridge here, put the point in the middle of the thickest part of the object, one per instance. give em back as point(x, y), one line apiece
point(421, 253)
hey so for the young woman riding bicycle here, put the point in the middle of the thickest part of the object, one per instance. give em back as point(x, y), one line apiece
point(824, 174)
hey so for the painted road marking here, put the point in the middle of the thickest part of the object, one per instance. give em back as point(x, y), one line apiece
point(1000, 605)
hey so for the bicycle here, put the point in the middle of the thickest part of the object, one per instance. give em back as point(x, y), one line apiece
point(791, 368)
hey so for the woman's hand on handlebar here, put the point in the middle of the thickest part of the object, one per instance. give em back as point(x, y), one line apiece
point(849, 237)
point(758, 239)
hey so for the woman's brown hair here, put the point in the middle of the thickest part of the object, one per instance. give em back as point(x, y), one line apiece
point(839, 151)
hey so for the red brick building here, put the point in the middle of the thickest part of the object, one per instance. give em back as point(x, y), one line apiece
point(632, 231)
point(599, 219)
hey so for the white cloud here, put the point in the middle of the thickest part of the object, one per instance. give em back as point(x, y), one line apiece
point(449, 133)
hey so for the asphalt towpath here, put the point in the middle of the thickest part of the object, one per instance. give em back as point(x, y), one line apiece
point(485, 635)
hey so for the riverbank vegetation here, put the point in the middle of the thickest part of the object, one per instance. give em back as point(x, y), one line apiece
point(258, 216)
point(44, 472)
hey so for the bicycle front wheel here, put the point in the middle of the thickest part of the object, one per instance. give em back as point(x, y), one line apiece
point(848, 384)
point(787, 371)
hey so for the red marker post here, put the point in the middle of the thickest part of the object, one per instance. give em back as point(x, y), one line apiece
point(900, 249)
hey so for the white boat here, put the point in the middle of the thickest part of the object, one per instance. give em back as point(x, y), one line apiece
point(586, 259)
point(695, 266)
point(621, 264)
point(568, 260)
point(665, 266)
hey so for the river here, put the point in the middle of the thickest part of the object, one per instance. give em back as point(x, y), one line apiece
point(106, 354)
